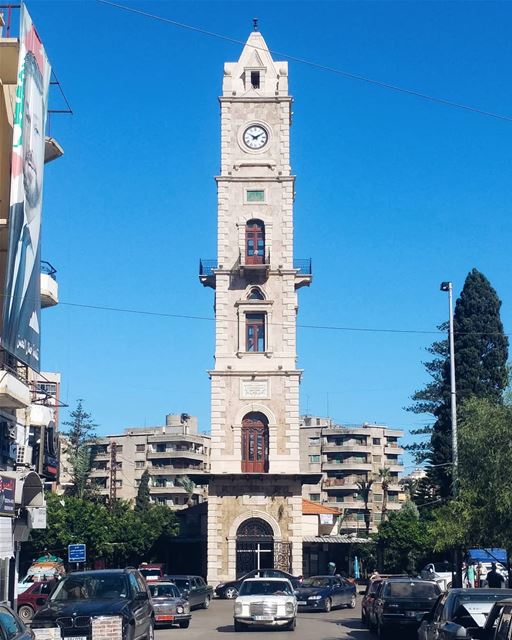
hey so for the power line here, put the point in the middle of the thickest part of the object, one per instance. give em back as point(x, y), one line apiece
point(316, 65)
point(183, 316)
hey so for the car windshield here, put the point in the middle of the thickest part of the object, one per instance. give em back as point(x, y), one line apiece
point(411, 590)
point(265, 588)
point(89, 587)
point(182, 583)
point(151, 573)
point(316, 581)
point(164, 590)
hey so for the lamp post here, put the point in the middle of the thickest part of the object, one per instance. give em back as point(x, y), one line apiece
point(447, 286)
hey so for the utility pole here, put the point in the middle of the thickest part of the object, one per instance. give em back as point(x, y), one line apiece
point(113, 475)
point(457, 557)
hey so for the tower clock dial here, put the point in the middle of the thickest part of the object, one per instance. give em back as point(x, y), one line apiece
point(255, 137)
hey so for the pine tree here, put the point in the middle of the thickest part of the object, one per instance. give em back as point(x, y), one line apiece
point(79, 448)
point(142, 501)
point(481, 352)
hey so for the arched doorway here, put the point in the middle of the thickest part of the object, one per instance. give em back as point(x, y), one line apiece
point(254, 546)
point(255, 443)
point(254, 242)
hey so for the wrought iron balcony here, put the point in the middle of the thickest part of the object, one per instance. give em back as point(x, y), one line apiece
point(207, 272)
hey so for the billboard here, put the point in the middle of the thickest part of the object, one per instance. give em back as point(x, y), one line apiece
point(7, 491)
point(22, 305)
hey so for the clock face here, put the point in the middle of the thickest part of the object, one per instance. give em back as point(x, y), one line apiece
point(255, 137)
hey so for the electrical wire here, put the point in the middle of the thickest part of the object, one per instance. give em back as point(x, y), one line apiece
point(316, 65)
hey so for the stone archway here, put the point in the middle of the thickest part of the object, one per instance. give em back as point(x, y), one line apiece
point(254, 546)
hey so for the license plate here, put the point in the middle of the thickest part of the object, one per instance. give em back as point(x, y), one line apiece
point(76, 638)
point(263, 618)
point(301, 602)
point(161, 618)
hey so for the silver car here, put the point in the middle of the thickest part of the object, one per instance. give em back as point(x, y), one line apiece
point(169, 605)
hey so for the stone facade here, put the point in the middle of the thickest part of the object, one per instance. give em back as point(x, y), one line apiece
point(255, 380)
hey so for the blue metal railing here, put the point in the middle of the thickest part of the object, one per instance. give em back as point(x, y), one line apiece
point(207, 267)
point(49, 269)
point(303, 266)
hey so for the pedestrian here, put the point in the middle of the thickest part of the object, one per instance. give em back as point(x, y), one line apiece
point(375, 576)
point(494, 579)
point(471, 575)
point(331, 568)
point(479, 577)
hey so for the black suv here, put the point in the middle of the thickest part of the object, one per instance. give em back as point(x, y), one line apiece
point(401, 603)
point(85, 600)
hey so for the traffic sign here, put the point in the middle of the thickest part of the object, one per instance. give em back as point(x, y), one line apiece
point(76, 553)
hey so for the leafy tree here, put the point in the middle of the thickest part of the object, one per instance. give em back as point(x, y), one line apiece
point(481, 351)
point(365, 486)
point(403, 539)
point(79, 448)
point(142, 501)
point(189, 486)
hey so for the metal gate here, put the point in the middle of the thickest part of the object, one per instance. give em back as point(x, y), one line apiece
point(254, 546)
point(283, 556)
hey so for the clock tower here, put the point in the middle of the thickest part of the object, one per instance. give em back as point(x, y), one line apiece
point(255, 483)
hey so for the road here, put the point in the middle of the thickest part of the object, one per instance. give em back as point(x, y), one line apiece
point(217, 623)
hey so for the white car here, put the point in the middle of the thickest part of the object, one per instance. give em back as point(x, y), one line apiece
point(266, 602)
point(439, 572)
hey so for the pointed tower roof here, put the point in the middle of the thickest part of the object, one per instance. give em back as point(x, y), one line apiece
point(255, 73)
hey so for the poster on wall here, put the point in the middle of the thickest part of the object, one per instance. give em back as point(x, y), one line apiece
point(22, 305)
point(7, 496)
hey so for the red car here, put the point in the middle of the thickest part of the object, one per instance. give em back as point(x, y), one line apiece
point(27, 601)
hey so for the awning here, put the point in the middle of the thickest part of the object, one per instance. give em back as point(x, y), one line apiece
point(488, 555)
point(338, 540)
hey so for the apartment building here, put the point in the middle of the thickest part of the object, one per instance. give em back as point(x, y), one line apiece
point(168, 452)
point(347, 455)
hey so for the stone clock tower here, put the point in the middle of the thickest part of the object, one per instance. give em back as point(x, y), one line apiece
point(254, 498)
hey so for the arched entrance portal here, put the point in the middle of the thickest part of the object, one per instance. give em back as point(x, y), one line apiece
point(254, 546)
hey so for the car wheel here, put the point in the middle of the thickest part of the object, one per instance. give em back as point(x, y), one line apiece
point(238, 626)
point(327, 605)
point(206, 603)
point(184, 624)
point(352, 603)
point(231, 593)
point(26, 613)
point(291, 625)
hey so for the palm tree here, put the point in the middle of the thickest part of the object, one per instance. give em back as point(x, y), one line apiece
point(189, 486)
point(365, 486)
point(384, 477)
point(410, 486)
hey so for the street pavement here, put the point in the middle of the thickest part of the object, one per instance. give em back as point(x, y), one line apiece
point(216, 623)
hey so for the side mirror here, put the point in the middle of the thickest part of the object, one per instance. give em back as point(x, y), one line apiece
point(40, 601)
point(141, 595)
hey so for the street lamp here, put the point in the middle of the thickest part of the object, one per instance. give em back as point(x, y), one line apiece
point(447, 286)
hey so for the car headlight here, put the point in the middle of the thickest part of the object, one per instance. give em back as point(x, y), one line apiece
point(315, 598)
point(238, 608)
point(179, 609)
point(290, 607)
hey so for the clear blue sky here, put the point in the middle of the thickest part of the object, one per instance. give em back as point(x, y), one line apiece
point(394, 193)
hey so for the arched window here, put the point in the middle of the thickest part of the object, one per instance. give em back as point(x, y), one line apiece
point(255, 443)
point(254, 528)
point(254, 242)
point(255, 294)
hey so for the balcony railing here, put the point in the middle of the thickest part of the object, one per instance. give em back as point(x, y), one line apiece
point(49, 269)
point(207, 268)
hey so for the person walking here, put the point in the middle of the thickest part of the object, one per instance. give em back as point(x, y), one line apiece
point(494, 579)
point(471, 576)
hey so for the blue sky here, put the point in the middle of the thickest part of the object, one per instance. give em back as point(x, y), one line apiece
point(394, 193)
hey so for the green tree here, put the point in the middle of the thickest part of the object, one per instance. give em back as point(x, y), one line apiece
point(403, 539)
point(481, 351)
point(79, 448)
point(189, 486)
point(142, 501)
point(365, 486)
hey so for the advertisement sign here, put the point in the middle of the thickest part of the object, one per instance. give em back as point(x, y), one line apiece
point(22, 305)
point(7, 491)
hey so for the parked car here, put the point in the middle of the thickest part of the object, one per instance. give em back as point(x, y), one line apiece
point(152, 571)
point(45, 568)
point(83, 595)
point(33, 598)
point(401, 603)
point(498, 624)
point(194, 589)
point(169, 605)
point(11, 626)
point(458, 610)
point(266, 602)
point(368, 599)
point(230, 589)
point(325, 592)
point(439, 572)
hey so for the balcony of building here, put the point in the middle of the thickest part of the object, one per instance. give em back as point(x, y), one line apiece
point(347, 447)
point(14, 388)
point(182, 454)
point(49, 285)
point(207, 270)
point(349, 502)
point(190, 439)
point(303, 272)
point(99, 473)
point(393, 449)
point(346, 463)
point(168, 489)
point(175, 469)
point(254, 268)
